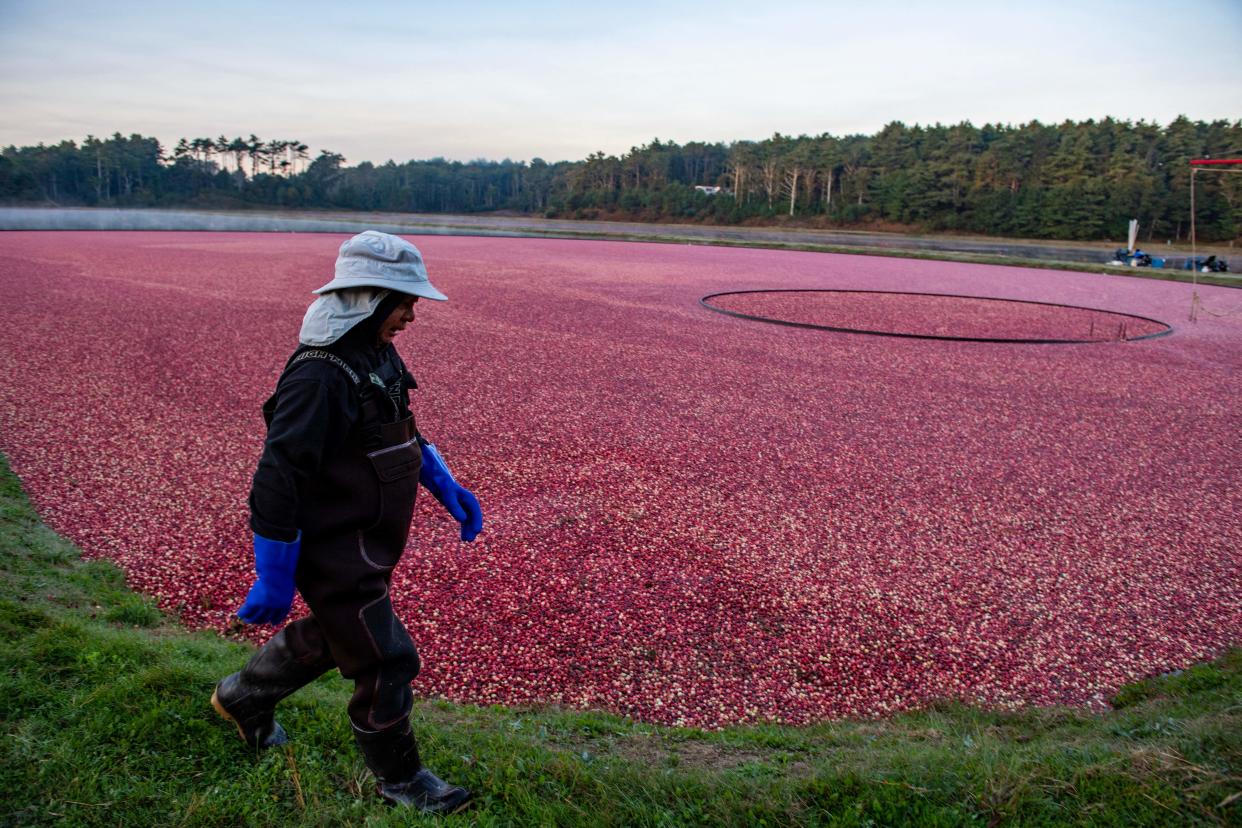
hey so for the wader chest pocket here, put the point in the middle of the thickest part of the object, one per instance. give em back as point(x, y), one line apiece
point(397, 462)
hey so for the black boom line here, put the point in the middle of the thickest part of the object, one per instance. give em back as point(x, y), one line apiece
point(1168, 329)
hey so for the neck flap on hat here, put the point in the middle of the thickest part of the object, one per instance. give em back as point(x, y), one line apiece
point(333, 314)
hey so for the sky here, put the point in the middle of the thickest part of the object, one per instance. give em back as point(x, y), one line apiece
point(559, 80)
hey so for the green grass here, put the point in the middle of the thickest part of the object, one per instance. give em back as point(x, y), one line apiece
point(104, 708)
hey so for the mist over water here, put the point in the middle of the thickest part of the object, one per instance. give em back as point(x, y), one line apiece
point(104, 218)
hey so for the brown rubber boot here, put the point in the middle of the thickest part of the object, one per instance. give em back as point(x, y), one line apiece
point(248, 698)
point(392, 755)
point(256, 722)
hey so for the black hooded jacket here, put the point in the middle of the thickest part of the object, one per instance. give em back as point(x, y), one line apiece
point(314, 409)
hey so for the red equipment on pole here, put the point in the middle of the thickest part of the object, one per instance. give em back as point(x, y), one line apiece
point(1230, 165)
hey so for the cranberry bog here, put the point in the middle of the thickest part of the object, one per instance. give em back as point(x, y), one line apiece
point(691, 517)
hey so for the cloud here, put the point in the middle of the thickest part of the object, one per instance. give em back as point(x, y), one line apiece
point(395, 80)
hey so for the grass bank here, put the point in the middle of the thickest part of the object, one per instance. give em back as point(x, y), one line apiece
point(106, 721)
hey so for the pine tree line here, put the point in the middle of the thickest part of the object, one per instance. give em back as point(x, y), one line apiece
point(1074, 180)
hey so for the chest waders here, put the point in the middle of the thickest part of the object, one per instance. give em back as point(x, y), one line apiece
point(355, 519)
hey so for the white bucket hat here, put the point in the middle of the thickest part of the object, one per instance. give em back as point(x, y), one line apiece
point(375, 259)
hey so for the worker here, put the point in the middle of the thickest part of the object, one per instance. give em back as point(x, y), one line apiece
point(331, 506)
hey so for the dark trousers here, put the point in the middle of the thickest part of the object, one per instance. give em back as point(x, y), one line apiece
point(353, 627)
point(344, 577)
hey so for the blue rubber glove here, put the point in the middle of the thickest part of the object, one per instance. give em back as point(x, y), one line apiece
point(272, 594)
point(461, 504)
